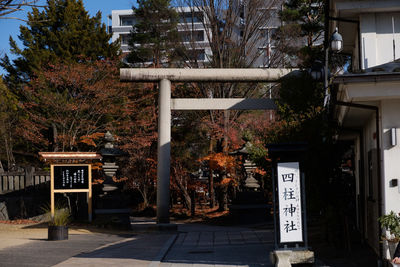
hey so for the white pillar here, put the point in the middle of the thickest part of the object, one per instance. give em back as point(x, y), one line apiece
point(164, 149)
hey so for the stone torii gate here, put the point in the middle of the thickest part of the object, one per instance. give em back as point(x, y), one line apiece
point(164, 77)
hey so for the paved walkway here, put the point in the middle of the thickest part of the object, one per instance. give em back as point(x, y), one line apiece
point(194, 245)
point(206, 246)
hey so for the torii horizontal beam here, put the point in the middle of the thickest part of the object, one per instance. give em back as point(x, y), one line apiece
point(203, 75)
point(222, 104)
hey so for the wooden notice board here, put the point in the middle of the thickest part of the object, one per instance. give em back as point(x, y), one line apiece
point(71, 178)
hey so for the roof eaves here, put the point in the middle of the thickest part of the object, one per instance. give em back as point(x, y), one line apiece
point(367, 77)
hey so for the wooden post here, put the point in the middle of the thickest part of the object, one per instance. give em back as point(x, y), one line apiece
point(52, 190)
point(29, 176)
point(16, 183)
point(11, 183)
point(193, 203)
point(90, 194)
point(5, 183)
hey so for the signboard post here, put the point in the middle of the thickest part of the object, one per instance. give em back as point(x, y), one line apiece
point(290, 193)
point(290, 208)
point(71, 178)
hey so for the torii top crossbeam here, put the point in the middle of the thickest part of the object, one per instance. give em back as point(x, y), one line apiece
point(203, 75)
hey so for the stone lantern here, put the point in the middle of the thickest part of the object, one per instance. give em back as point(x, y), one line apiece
point(250, 204)
point(250, 183)
point(111, 206)
point(109, 154)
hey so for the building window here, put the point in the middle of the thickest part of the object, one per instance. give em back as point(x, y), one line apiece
point(197, 54)
point(192, 36)
point(125, 39)
point(191, 17)
point(127, 21)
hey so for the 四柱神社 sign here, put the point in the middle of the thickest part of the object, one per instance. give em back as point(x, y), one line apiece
point(290, 213)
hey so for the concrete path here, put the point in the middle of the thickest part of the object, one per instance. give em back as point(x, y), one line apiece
point(138, 251)
point(206, 246)
point(193, 245)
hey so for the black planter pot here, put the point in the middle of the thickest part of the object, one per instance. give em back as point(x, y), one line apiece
point(57, 232)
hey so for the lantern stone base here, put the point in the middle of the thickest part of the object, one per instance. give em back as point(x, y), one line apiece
point(285, 258)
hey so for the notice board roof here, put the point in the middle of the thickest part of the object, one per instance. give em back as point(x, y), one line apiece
point(70, 155)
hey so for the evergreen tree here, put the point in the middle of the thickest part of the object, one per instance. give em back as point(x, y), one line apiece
point(300, 37)
point(155, 33)
point(8, 118)
point(62, 31)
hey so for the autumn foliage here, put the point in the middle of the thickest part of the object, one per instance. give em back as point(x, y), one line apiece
point(71, 105)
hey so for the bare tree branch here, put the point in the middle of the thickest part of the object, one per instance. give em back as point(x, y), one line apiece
point(10, 6)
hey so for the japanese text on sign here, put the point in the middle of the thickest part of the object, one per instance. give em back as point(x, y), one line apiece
point(71, 177)
point(289, 190)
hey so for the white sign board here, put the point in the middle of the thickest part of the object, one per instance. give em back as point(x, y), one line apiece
point(289, 190)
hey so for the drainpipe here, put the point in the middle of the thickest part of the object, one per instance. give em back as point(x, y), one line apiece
point(378, 147)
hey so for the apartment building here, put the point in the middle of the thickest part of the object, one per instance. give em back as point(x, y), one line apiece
point(261, 48)
point(191, 29)
point(195, 35)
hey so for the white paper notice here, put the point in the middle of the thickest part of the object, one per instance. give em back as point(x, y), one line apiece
point(289, 190)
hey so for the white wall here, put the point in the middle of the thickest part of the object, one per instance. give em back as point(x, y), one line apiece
point(377, 38)
point(391, 158)
point(391, 154)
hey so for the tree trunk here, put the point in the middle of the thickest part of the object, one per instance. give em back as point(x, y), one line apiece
point(222, 198)
point(54, 138)
point(186, 196)
point(226, 125)
point(144, 196)
point(9, 152)
point(211, 191)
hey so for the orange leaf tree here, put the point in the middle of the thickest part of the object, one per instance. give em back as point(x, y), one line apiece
point(70, 105)
point(137, 136)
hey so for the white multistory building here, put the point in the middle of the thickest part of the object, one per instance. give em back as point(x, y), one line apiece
point(262, 42)
point(191, 29)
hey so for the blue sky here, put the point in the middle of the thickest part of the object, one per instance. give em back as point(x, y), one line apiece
point(11, 26)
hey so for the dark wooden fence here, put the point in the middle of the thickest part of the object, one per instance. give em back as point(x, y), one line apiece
point(14, 181)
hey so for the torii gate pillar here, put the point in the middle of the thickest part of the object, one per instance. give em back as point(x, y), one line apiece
point(163, 151)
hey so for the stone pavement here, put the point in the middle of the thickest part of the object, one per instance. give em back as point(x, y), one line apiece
point(207, 246)
point(194, 245)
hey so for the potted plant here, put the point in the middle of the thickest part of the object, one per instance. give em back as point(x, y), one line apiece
point(390, 224)
point(58, 224)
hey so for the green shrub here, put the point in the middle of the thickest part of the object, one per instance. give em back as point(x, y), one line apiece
point(61, 215)
point(391, 223)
